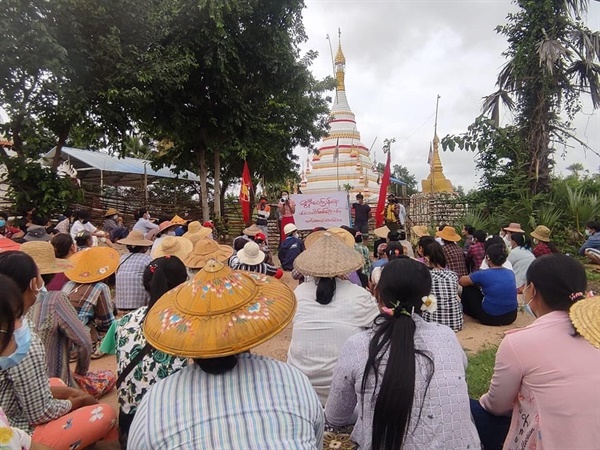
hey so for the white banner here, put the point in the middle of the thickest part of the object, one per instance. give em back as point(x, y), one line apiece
point(321, 210)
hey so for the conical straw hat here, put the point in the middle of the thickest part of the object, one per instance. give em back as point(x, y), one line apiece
point(252, 230)
point(220, 312)
point(196, 232)
point(205, 250)
point(93, 264)
point(381, 232)
point(340, 233)
point(585, 315)
point(135, 239)
point(174, 246)
point(177, 219)
point(43, 255)
point(328, 257)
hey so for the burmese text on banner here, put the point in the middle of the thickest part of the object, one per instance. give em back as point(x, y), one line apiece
point(321, 210)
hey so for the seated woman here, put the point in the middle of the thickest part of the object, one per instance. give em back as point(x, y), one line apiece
point(330, 309)
point(64, 248)
point(58, 416)
point(542, 242)
point(113, 225)
point(129, 287)
point(520, 257)
point(405, 378)
point(252, 259)
point(547, 374)
point(87, 293)
point(83, 240)
point(137, 375)
point(444, 287)
point(490, 296)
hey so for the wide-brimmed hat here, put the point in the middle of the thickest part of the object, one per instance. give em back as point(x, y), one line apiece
point(514, 228)
point(420, 230)
point(93, 264)
point(541, 233)
point(205, 250)
point(196, 232)
point(37, 233)
point(289, 228)
point(135, 239)
point(448, 234)
point(178, 220)
point(111, 212)
point(220, 312)
point(43, 255)
point(166, 225)
point(381, 232)
point(585, 315)
point(252, 230)
point(340, 233)
point(251, 254)
point(7, 244)
point(174, 246)
point(328, 257)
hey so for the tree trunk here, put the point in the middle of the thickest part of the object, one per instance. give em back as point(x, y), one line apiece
point(538, 142)
point(217, 182)
point(62, 139)
point(203, 183)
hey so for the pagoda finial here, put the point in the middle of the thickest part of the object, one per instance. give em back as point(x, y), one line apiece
point(340, 64)
point(436, 181)
point(339, 56)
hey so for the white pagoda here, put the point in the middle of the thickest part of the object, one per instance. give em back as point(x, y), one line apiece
point(353, 165)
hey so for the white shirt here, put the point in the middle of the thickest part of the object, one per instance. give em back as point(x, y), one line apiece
point(320, 331)
point(144, 225)
point(520, 258)
point(78, 226)
point(401, 213)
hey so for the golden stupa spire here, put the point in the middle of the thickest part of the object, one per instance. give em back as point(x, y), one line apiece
point(340, 64)
point(436, 181)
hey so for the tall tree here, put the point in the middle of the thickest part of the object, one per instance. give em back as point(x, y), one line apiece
point(249, 93)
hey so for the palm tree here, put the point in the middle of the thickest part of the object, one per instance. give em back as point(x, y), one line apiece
point(552, 59)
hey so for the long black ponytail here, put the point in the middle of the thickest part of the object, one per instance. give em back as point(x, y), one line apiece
point(402, 285)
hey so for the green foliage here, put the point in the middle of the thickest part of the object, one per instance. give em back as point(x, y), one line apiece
point(31, 184)
point(480, 371)
point(403, 174)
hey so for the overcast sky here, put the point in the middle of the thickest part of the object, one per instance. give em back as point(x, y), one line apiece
point(401, 54)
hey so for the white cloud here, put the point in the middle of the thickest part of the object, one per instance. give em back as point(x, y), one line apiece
point(401, 54)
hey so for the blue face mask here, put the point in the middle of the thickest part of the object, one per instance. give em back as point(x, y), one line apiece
point(2, 223)
point(22, 338)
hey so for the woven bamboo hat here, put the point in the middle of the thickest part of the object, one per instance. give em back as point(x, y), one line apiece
point(220, 312)
point(541, 233)
point(381, 232)
point(340, 233)
point(448, 234)
point(43, 255)
point(420, 230)
point(178, 220)
point(328, 257)
point(252, 230)
point(196, 232)
point(174, 246)
point(93, 264)
point(205, 250)
point(585, 315)
point(111, 212)
point(135, 239)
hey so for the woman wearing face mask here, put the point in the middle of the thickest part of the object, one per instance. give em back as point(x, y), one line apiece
point(143, 222)
point(287, 208)
point(83, 224)
point(56, 415)
point(547, 374)
point(263, 211)
point(113, 225)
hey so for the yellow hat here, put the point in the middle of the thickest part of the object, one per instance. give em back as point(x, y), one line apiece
point(448, 234)
point(220, 312)
point(196, 232)
point(420, 230)
point(328, 257)
point(585, 315)
point(93, 264)
point(541, 233)
point(111, 212)
point(174, 246)
point(135, 239)
point(43, 255)
point(178, 220)
point(205, 250)
point(340, 233)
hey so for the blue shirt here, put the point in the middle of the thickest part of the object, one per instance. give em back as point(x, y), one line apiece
point(592, 242)
point(260, 404)
point(289, 250)
point(379, 263)
point(499, 290)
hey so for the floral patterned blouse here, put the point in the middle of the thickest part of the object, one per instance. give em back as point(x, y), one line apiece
point(153, 367)
point(12, 438)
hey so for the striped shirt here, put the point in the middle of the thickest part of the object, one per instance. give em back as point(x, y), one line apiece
point(56, 323)
point(92, 302)
point(259, 404)
point(129, 285)
point(262, 267)
point(25, 393)
point(455, 259)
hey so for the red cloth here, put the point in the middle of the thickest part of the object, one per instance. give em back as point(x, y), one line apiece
point(541, 249)
point(385, 182)
point(245, 193)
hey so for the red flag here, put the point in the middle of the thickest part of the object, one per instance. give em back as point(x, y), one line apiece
point(245, 193)
point(385, 182)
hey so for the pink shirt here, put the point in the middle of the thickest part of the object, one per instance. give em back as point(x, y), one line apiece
point(551, 382)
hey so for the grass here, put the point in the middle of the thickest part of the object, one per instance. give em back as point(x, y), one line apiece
point(480, 370)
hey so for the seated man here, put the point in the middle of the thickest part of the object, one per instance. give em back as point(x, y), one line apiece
point(290, 248)
point(252, 259)
point(591, 247)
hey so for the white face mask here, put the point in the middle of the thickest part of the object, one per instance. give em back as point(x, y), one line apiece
point(115, 217)
point(588, 232)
